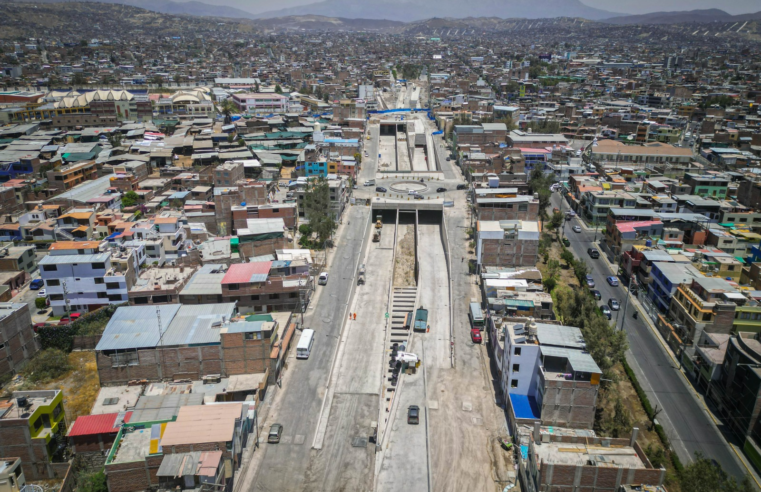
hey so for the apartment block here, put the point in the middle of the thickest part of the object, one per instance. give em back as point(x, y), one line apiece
point(228, 174)
point(267, 286)
point(17, 340)
point(31, 423)
point(19, 258)
point(520, 207)
point(705, 304)
point(261, 103)
point(82, 282)
point(507, 243)
point(67, 177)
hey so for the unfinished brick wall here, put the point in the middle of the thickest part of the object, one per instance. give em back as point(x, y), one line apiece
point(16, 441)
point(137, 475)
point(509, 252)
point(164, 363)
point(500, 211)
point(569, 404)
point(245, 356)
point(588, 478)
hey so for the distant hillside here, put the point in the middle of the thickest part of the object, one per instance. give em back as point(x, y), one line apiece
point(81, 20)
point(691, 16)
point(406, 10)
point(195, 8)
point(322, 23)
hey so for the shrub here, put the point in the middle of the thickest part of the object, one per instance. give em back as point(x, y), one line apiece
point(48, 364)
point(40, 303)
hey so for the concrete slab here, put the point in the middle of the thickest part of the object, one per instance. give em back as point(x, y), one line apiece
point(434, 296)
point(127, 398)
point(387, 151)
point(405, 460)
point(339, 465)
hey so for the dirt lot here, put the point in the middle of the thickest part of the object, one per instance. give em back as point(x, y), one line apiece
point(80, 386)
point(404, 265)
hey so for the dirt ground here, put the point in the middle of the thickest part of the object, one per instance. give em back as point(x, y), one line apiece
point(567, 276)
point(404, 265)
point(80, 386)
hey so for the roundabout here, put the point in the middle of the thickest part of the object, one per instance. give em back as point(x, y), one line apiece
point(408, 186)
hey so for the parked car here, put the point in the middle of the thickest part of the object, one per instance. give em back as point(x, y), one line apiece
point(69, 318)
point(462, 187)
point(596, 294)
point(37, 284)
point(276, 430)
point(369, 182)
point(440, 190)
point(412, 192)
point(613, 304)
point(380, 189)
point(475, 335)
point(613, 281)
point(593, 253)
point(606, 312)
point(41, 293)
point(449, 159)
point(413, 414)
point(576, 229)
point(417, 196)
point(322, 279)
point(590, 281)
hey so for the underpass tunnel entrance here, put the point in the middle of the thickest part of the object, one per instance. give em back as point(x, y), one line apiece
point(430, 216)
point(388, 216)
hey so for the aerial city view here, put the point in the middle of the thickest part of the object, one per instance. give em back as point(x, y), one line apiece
point(344, 245)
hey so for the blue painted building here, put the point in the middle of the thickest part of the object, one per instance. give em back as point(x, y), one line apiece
point(666, 277)
point(21, 169)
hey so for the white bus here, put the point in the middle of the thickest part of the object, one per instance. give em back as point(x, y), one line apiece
point(305, 344)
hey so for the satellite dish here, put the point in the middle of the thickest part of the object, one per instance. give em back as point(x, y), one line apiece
point(630, 137)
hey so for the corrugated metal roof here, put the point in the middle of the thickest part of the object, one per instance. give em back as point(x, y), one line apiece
point(192, 325)
point(243, 273)
point(558, 335)
point(163, 407)
point(106, 423)
point(204, 284)
point(580, 361)
point(68, 259)
point(194, 463)
point(134, 327)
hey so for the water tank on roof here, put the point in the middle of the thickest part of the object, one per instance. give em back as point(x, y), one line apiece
point(242, 204)
point(649, 243)
point(493, 182)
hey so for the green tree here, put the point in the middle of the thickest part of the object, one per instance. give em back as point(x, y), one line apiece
point(92, 482)
point(40, 303)
point(358, 158)
point(278, 89)
point(619, 422)
point(317, 209)
point(115, 139)
point(130, 199)
point(79, 79)
point(556, 220)
point(540, 183)
point(567, 257)
point(580, 270)
point(704, 476)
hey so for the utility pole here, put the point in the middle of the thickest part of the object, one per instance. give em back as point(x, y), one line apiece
point(626, 304)
point(66, 302)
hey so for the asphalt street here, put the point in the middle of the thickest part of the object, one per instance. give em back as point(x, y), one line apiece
point(284, 465)
point(686, 421)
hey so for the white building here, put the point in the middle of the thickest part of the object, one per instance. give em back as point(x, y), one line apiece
point(83, 281)
point(261, 103)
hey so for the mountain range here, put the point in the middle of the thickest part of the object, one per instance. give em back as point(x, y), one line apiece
point(698, 16)
point(412, 10)
point(386, 14)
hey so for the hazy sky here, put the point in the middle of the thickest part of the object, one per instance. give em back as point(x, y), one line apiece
point(624, 6)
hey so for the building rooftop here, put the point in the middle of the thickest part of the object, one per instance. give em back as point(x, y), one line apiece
point(153, 408)
point(105, 423)
point(203, 424)
point(564, 453)
point(10, 409)
point(162, 279)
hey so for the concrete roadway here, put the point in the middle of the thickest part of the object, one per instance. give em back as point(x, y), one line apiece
point(686, 421)
point(283, 465)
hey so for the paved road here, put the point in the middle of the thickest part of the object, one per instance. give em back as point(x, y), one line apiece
point(684, 418)
point(284, 465)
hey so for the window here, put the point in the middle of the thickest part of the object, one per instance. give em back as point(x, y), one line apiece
point(98, 266)
point(37, 423)
point(514, 383)
point(102, 295)
point(233, 287)
point(53, 282)
point(516, 368)
point(49, 268)
point(523, 207)
point(57, 410)
point(248, 336)
point(116, 297)
point(274, 296)
point(254, 298)
point(112, 285)
point(56, 297)
point(99, 281)
point(517, 351)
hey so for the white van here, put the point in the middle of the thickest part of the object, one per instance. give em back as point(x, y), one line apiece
point(370, 182)
point(305, 344)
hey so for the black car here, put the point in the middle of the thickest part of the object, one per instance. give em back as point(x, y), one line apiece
point(597, 295)
point(413, 414)
point(417, 196)
point(462, 187)
point(380, 189)
point(593, 253)
point(440, 190)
